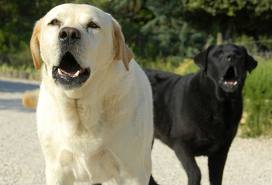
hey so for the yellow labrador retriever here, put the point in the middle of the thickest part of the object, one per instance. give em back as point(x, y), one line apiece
point(94, 114)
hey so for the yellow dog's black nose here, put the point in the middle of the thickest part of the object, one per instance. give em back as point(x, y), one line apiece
point(69, 34)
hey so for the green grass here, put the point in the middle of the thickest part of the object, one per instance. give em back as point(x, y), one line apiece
point(166, 64)
point(186, 67)
point(19, 65)
point(258, 101)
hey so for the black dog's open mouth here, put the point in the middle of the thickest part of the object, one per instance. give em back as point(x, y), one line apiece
point(69, 73)
point(230, 79)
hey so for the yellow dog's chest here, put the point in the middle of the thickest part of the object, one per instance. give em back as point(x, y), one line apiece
point(85, 158)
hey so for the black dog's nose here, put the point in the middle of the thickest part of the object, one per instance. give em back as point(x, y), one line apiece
point(68, 34)
point(230, 57)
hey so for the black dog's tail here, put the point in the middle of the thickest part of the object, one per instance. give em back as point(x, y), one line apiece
point(152, 181)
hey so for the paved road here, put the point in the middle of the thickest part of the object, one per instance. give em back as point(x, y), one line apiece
point(21, 161)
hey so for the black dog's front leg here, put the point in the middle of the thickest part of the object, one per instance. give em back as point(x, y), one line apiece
point(188, 162)
point(216, 164)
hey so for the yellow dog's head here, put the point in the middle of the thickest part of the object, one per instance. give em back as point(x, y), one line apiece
point(76, 40)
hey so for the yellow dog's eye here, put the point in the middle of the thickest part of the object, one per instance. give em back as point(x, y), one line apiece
point(54, 22)
point(93, 25)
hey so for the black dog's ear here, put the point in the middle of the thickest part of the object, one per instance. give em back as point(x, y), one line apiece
point(251, 63)
point(201, 59)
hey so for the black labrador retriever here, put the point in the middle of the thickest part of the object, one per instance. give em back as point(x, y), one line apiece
point(198, 114)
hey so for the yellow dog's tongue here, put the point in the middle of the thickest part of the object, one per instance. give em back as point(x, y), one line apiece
point(70, 74)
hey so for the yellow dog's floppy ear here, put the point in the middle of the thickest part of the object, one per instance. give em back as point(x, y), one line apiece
point(35, 45)
point(121, 50)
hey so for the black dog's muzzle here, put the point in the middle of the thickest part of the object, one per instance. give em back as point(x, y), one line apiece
point(230, 81)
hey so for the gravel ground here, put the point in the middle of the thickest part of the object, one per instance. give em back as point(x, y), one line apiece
point(21, 161)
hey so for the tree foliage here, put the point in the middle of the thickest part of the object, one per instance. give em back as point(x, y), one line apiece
point(230, 17)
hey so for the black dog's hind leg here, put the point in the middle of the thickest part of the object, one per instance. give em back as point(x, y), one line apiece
point(188, 162)
point(216, 163)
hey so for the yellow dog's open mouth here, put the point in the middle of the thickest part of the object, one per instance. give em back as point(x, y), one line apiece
point(69, 73)
point(69, 66)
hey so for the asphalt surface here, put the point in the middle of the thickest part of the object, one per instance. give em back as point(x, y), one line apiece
point(21, 162)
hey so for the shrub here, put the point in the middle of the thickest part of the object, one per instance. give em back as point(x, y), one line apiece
point(258, 101)
point(166, 64)
point(186, 67)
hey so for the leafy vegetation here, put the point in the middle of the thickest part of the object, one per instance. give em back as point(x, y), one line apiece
point(258, 101)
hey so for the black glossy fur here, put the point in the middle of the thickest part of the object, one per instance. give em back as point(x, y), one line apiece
point(198, 114)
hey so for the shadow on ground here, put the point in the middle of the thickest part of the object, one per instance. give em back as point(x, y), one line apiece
point(16, 87)
point(13, 104)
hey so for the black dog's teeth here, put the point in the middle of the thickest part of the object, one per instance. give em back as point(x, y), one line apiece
point(231, 83)
point(230, 77)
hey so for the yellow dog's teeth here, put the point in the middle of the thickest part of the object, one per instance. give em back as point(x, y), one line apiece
point(61, 72)
point(76, 74)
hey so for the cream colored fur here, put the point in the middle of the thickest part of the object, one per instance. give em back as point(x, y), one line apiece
point(102, 131)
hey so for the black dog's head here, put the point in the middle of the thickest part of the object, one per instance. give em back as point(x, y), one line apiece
point(227, 66)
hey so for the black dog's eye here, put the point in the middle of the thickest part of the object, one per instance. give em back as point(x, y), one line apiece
point(93, 25)
point(54, 22)
point(218, 53)
point(237, 53)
